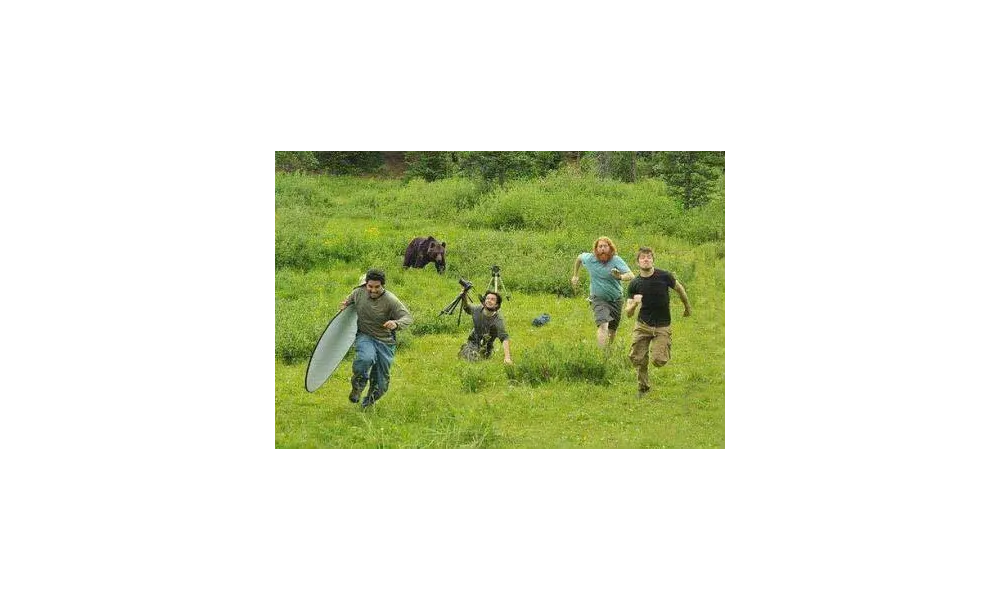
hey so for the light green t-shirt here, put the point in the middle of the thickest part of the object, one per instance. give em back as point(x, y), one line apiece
point(602, 285)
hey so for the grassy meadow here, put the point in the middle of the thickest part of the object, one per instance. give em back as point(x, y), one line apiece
point(560, 392)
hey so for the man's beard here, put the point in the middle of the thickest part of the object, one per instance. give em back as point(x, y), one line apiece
point(603, 256)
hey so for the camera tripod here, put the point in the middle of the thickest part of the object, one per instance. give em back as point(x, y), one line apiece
point(496, 283)
point(459, 299)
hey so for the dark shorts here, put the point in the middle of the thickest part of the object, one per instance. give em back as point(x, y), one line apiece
point(607, 312)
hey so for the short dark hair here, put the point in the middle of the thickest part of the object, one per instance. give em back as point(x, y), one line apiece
point(375, 274)
point(497, 294)
point(645, 250)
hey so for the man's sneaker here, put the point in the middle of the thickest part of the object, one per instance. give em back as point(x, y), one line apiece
point(357, 387)
point(370, 399)
point(643, 390)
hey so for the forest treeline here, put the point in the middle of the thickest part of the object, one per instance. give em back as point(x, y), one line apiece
point(691, 176)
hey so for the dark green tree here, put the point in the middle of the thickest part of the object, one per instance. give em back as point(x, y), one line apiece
point(290, 161)
point(428, 165)
point(617, 165)
point(349, 163)
point(497, 168)
point(690, 175)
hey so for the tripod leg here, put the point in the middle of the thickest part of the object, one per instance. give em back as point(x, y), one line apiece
point(451, 307)
point(505, 292)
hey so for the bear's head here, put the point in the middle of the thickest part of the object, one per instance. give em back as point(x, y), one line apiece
point(435, 252)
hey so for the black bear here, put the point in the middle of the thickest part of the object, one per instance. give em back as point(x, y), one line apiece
point(425, 250)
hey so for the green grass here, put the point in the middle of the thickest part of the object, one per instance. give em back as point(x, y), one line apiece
point(560, 393)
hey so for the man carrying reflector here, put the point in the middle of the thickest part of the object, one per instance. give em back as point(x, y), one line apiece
point(380, 315)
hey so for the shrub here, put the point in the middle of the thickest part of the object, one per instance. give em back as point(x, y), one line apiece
point(349, 163)
point(430, 166)
point(547, 362)
point(295, 161)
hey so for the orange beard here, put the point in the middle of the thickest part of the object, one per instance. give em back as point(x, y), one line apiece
point(604, 256)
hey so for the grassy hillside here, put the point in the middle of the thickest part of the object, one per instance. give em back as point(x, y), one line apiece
point(560, 393)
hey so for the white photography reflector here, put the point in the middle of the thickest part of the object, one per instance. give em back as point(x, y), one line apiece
point(332, 347)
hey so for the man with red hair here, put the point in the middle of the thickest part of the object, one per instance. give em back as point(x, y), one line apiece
point(607, 270)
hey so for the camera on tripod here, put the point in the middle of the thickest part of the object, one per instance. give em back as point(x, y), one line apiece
point(495, 286)
point(450, 309)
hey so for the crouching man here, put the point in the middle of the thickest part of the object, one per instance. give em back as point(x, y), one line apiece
point(487, 327)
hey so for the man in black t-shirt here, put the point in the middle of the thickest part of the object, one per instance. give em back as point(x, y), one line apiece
point(650, 292)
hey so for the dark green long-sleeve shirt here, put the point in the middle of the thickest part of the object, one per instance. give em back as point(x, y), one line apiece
point(485, 330)
point(373, 313)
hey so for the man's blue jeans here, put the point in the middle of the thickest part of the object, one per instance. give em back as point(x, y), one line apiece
point(375, 358)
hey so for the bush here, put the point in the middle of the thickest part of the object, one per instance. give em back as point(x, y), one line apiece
point(493, 169)
point(548, 362)
point(622, 166)
point(295, 161)
point(532, 229)
point(704, 223)
point(350, 163)
point(473, 377)
point(296, 238)
point(429, 166)
point(298, 326)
